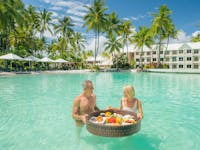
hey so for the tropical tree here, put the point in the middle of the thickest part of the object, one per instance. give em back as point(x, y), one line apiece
point(171, 33)
point(196, 38)
point(45, 20)
point(95, 19)
point(126, 30)
point(142, 38)
point(113, 25)
point(161, 25)
point(113, 45)
point(64, 28)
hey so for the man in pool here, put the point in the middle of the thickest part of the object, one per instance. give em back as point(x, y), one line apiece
point(84, 104)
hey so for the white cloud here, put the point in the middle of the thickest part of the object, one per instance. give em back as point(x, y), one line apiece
point(182, 37)
point(55, 8)
point(134, 18)
point(76, 12)
point(195, 33)
point(91, 44)
point(76, 19)
point(126, 18)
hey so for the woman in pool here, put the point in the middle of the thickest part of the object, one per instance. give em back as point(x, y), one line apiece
point(129, 102)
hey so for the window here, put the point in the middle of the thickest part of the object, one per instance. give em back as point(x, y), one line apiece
point(196, 51)
point(196, 66)
point(196, 58)
point(137, 60)
point(189, 66)
point(154, 52)
point(167, 59)
point(180, 51)
point(180, 58)
point(148, 53)
point(161, 52)
point(180, 66)
point(142, 59)
point(189, 51)
point(161, 59)
point(174, 66)
point(174, 52)
point(166, 52)
point(148, 59)
point(154, 59)
point(189, 58)
point(173, 58)
point(137, 53)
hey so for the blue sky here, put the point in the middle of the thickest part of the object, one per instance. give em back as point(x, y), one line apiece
point(185, 13)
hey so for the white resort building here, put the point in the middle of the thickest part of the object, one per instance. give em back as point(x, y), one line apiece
point(175, 56)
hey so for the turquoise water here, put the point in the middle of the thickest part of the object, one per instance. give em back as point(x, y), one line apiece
point(35, 111)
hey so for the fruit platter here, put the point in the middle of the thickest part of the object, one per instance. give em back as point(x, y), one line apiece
point(113, 123)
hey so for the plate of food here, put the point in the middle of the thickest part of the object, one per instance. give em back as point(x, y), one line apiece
point(113, 123)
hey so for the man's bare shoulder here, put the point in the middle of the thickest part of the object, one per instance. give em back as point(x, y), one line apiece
point(78, 98)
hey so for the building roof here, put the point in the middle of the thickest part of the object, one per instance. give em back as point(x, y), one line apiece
point(170, 47)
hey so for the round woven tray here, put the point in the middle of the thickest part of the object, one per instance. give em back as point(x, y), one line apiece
point(112, 131)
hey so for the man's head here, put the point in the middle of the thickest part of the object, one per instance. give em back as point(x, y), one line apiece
point(87, 85)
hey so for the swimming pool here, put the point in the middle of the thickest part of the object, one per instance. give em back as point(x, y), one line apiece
point(35, 111)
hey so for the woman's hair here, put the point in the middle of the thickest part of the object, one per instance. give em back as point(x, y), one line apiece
point(129, 91)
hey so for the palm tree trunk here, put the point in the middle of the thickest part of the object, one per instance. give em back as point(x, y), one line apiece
point(166, 49)
point(141, 65)
point(95, 47)
point(158, 62)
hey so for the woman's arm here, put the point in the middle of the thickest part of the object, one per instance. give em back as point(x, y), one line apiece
point(120, 104)
point(140, 111)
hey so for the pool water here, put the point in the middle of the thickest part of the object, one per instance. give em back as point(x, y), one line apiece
point(35, 111)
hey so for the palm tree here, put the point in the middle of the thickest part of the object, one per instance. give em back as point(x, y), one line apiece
point(96, 20)
point(160, 26)
point(64, 27)
point(125, 32)
point(113, 25)
point(45, 22)
point(171, 33)
point(142, 38)
point(113, 45)
point(77, 44)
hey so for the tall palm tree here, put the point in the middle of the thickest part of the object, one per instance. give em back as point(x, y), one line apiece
point(142, 38)
point(113, 45)
point(45, 20)
point(171, 33)
point(96, 20)
point(78, 44)
point(160, 26)
point(113, 25)
point(64, 27)
point(125, 32)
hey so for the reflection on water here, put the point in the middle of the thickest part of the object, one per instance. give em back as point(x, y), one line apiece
point(35, 111)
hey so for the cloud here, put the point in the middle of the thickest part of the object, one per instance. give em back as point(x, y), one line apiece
point(194, 34)
point(182, 37)
point(134, 18)
point(55, 8)
point(91, 44)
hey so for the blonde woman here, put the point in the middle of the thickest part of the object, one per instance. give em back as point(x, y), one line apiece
point(129, 102)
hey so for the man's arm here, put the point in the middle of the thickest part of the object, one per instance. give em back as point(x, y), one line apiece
point(76, 109)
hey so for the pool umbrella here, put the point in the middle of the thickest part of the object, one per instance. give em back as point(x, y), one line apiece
point(46, 60)
point(31, 59)
point(11, 56)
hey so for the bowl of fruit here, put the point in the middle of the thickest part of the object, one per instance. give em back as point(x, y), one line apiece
point(113, 123)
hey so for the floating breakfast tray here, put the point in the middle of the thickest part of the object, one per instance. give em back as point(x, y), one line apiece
point(101, 129)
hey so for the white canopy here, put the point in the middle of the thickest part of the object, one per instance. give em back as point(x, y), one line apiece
point(106, 63)
point(60, 60)
point(98, 58)
point(31, 58)
point(46, 59)
point(11, 56)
